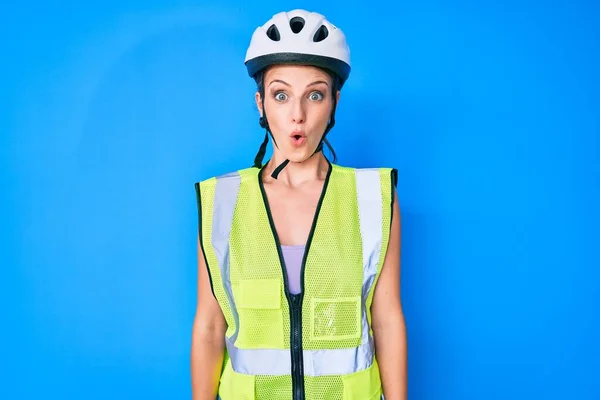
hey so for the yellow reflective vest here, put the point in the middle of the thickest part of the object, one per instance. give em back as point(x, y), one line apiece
point(317, 345)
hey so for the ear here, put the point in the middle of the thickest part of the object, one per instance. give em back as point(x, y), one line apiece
point(258, 101)
point(337, 97)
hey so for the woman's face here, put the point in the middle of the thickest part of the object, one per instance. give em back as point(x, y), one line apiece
point(298, 105)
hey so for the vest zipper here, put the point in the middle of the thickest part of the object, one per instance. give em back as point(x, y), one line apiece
point(296, 347)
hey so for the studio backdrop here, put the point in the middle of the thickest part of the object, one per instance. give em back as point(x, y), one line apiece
point(490, 111)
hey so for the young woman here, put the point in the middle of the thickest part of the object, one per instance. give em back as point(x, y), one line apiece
point(299, 258)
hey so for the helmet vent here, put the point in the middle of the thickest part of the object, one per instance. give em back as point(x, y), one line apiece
point(273, 33)
point(321, 34)
point(297, 23)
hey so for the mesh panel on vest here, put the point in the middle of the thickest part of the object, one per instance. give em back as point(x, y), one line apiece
point(332, 315)
point(361, 385)
point(254, 258)
point(331, 311)
point(323, 387)
point(274, 387)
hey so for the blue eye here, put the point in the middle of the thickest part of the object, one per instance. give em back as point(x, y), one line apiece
point(316, 96)
point(280, 96)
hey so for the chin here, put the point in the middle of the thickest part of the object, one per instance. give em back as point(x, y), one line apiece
point(299, 155)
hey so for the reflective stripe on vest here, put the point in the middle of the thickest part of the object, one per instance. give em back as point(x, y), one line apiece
point(316, 362)
point(226, 191)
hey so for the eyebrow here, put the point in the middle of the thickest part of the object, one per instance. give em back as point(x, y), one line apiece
point(288, 85)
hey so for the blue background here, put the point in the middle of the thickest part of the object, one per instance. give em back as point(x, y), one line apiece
point(110, 111)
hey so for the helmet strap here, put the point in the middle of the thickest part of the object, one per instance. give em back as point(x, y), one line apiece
point(261, 152)
point(262, 121)
point(277, 170)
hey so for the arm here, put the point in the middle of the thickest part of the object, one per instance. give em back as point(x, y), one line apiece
point(389, 326)
point(208, 338)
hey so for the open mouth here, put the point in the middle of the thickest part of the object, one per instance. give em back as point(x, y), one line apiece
point(298, 140)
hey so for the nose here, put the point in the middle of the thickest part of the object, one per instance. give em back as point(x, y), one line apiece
point(298, 113)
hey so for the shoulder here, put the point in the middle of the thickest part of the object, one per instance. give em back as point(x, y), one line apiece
point(241, 175)
point(377, 183)
point(388, 176)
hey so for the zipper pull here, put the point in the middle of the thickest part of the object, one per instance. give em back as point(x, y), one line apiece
point(295, 300)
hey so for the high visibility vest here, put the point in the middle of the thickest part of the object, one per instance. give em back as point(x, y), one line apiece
point(317, 345)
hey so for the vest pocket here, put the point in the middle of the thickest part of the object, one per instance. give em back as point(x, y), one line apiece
point(363, 385)
point(234, 386)
point(260, 314)
point(336, 319)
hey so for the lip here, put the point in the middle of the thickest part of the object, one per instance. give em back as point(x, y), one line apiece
point(298, 138)
point(297, 133)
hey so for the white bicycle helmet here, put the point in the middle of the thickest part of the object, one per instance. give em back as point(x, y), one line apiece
point(299, 37)
point(303, 38)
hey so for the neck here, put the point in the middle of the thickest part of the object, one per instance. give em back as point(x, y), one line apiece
point(297, 173)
